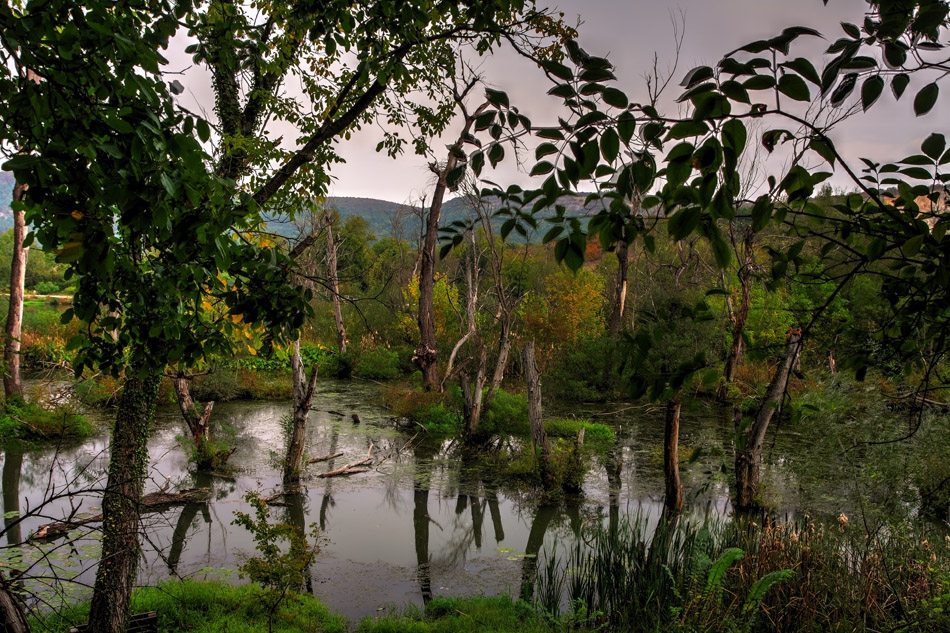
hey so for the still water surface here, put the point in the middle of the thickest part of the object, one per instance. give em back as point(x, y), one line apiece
point(424, 521)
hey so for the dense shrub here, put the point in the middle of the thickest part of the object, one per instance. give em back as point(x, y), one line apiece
point(377, 364)
point(30, 421)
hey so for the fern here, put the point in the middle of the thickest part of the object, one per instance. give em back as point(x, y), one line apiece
point(761, 586)
point(717, 572)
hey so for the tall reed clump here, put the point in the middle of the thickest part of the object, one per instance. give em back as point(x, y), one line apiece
point(704, 577)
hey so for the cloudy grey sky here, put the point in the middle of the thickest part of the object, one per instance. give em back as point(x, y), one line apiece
point(630, 32)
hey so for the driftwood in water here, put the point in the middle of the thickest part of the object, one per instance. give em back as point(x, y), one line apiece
point(351, 468)
point(150, 502)
point(325, 458)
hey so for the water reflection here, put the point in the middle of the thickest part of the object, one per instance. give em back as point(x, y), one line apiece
point(425, 521)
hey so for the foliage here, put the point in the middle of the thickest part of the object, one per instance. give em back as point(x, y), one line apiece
point(377, 364)
point(211, 607)
point(598, 436)
point(698, 576)
point(281, 573)
point(31, 421)
point(506, 413)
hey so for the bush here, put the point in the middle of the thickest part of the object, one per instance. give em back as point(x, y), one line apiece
point(29, 421)
point(597, 436)
point(377, 364)
point(506, 413)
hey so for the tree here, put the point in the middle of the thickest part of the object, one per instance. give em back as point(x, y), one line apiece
point(691, 167)
point(12, 381)
point(123, 191)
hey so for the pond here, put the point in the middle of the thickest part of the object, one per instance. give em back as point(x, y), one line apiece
point(423, 521)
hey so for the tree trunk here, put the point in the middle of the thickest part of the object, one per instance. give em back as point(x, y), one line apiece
point(12, 381)
point(501, 363)
point(538, 437)
point(334, 282)
point(128, 462)
point(472, 391)
point(620, 291)
point(740, 316)
point(303, 395)
point(12, 614)
point(197, 424)
point(673, 501)
point(749, 457)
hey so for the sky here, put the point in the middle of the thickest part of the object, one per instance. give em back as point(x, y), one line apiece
point(630, 33)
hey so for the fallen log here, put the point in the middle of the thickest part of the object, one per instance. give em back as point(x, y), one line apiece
point(351, 468)
point(325, 458)
point(150, 502)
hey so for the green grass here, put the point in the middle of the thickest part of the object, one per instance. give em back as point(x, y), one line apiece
point(498, 614)
point(598, 436)
point(208, 607)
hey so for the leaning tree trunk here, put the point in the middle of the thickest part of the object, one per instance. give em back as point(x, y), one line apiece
point(12, 381)
point(334, 282)
point(673, 501)
point(538, 436)
point(128, 462)
point(303, 395)
point(472, 391)
point(749, 458)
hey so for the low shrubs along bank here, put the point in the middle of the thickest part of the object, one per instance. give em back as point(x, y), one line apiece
point(738, 576)
point(31, 422)
point(638, 576)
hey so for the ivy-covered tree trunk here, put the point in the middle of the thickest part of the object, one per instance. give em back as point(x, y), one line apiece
point(303, 396)
point(334, 280)
point(749, 456)
point(128, 461)
point(673, 501)
point(12, 380)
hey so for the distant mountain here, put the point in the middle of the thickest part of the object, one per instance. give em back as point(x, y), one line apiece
point(386, 218)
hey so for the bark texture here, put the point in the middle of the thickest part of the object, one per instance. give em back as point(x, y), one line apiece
point(673, 501)
point(12, 380)
point(121, 512)
point(12, 614)
point(303, 396)
point(538, 436)
point(334, 279)
point(749, 459)
point(740, 315)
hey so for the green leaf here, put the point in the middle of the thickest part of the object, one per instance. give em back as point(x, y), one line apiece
point(899, 84)
point(497, 98)
point(871, 90)
point(626, 125)
point(687, 129)
point(926, 98)
point(794, 87)
point(759, 82)
point(696, 76)
point(545, 149)
point(615, 98)
point(558, 70)
point(684, 222)
point(761, 213)
point(204, 131)
point(610, 144)
point(894, 54)
point(455, 176)
point(804, 68)
point(934, 145)
point(823, 148)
